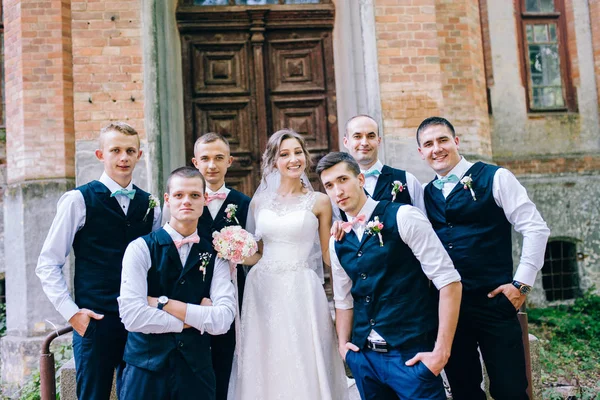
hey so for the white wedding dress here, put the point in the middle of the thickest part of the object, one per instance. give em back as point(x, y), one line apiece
point(288, 343)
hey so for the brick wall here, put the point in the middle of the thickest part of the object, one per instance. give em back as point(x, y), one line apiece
point(594, 18)
point(553, 165)
point(107, 65)
point(431, 63)
point(39, 92)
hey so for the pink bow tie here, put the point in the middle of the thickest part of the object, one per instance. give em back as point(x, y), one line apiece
point(192, 239)
point(215, 196)
point(347, 226)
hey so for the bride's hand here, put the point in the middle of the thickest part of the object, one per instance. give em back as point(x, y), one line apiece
point(336, 231)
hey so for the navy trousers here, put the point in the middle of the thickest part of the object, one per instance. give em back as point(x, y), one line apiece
point(97, 354)
point(491, 325)
point(176, 381)
point(383, 376)
point(223, 346)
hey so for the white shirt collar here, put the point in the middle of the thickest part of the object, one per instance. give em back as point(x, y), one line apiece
point(174, 234)
point(377, 166)
point(459, 169)
point(112, 185)
point(367, 209)
point(222, 189)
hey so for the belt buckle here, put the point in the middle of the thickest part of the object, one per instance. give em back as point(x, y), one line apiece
point(377, 347)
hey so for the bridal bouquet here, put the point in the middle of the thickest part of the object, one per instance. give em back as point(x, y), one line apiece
point(234, 244)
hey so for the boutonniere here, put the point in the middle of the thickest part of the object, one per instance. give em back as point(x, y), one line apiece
point(152, 202)
point(467, 182)
point(397, 187)
point(374, 228)
point(204, 260)
point(230, 211)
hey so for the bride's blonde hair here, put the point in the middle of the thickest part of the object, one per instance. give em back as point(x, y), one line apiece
point(269, 157)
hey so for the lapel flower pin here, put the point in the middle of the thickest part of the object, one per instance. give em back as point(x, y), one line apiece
point(152, 202)
point(374, 228)
point(397, 187)
point(204, 260)
point(467, 182)
point(230, 212)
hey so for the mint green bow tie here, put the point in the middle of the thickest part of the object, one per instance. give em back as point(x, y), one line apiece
point(439, 183)
point(128, 193)
point(373, 172)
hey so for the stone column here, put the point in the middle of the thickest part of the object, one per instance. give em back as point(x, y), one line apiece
point(40, 166)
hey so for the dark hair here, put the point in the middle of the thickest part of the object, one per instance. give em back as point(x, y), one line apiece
point(360, 116)
point(186, 172)
point(269, 157)
point(120, 127)
point(434, 121)
point(209, 138)
point(334, 158)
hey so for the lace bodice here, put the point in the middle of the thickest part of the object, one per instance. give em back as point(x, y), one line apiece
point(287, 227)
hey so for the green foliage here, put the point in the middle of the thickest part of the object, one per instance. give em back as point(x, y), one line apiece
point(2, 319)
point(31, 390)
point(570, 345)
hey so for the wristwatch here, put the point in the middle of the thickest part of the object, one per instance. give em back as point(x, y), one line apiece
point(162, 301)
point(523, 288)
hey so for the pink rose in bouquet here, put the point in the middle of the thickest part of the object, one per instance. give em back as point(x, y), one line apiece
point(234, 244)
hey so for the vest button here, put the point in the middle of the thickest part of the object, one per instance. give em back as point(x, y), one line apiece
point(363, 276)
point(359, 254)
point(128, 223)
point(450, 245)
point(180, 344)
point(372, 322)
point(450, 225)
point(368, 299)
point(181, 282)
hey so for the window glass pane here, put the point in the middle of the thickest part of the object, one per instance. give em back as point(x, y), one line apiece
point(552, 32)
point(211, 2)
point(532, 5)
point(540, 33)
point(547, 5)
point(302, 1)
point(256, 2)
point(529, 33)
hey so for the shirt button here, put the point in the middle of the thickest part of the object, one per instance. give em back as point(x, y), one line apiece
point(181, 282)
point(372, 322)
point(359, 254)
point(368, 299)
point(363, 276)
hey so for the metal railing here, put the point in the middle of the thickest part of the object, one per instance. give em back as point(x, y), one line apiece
point(47, 370)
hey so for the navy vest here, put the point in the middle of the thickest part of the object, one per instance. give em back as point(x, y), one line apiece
point(206, 224)
point(476, 234)
point(383, 187)
point(390, 290)
point(186, 283)
point(100, 245)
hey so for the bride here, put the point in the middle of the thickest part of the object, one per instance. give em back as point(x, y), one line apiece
point(288, 345)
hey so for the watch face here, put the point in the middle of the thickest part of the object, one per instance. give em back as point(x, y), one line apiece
point(163, 299)
point(525, 289)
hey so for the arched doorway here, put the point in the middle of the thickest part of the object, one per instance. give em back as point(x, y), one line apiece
point(251, 67)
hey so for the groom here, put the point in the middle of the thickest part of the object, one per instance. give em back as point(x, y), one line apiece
point(385, 313)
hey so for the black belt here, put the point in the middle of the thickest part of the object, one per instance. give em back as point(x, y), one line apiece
point(379, 347)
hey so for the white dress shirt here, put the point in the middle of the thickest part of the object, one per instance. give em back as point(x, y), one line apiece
point(216, 204)
point(69, 219)
point(138, 316)
point(416, 231)
point(520, 211)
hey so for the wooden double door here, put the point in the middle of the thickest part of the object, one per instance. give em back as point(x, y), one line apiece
point(249, 71)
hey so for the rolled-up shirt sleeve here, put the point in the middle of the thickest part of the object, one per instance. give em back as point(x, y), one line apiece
point(416, 231)
point(342, 284)
point(136, 314)
point(215, 319)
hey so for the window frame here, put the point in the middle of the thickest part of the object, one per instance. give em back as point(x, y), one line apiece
point(557, 17)
point(576, 290)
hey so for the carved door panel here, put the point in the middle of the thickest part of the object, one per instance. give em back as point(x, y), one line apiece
point(250, 71)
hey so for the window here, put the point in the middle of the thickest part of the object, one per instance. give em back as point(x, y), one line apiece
point(252, 2)
point(543, 37)
point(559, 273)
